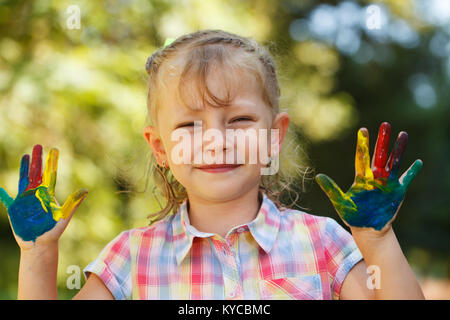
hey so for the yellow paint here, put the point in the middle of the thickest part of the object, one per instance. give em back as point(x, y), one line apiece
point(40, 197)
point(364, 173)
point(51, 167)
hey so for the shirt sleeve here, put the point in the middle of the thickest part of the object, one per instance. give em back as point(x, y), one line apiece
point(341, 254)
point(113, 266)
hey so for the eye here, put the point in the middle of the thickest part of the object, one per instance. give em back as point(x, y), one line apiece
point(241, 119)
point(186, 124)
point(189, 124)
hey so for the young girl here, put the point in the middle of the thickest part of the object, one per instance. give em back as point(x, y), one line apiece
point(230, 237)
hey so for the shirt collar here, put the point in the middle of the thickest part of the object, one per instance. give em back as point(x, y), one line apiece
point(264, 228)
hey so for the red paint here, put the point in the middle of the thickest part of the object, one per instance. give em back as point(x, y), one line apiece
point(36, 168)
point(381, 152)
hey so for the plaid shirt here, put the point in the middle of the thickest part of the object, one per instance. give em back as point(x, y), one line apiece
point(286, 254)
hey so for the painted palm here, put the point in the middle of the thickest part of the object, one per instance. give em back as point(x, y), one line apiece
point(377, 192)
point(35, 210)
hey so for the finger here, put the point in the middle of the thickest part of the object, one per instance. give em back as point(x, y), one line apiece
point(411, 173)
point(71, 204)
point(362, 159)
point(50, 171)
point(5, 198)
point(23, 179)
point(331, 189)
point(43, 196)
point(397, 154)
point(36, 168)
point(379, 159)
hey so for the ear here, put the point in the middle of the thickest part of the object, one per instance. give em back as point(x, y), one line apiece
point(153, 139)
point(281, 123)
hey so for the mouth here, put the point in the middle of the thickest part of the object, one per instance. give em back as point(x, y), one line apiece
point(218, 168)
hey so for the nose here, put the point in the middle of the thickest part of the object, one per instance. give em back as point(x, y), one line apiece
point(215, 142)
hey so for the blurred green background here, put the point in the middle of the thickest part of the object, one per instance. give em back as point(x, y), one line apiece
point(342, 65)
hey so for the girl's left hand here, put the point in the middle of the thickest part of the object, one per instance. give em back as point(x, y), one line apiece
point(377, 192)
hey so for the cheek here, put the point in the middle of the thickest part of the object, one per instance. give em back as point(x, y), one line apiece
point(255, 146)
point(180, 149)
point(182, 173)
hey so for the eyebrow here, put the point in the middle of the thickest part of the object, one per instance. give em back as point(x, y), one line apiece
point(233, 106)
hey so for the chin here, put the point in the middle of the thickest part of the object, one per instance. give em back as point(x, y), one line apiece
point(219, 192)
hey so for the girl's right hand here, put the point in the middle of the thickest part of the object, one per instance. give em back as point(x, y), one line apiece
point(35, 216)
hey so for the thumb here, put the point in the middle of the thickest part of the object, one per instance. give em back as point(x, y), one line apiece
point(331, 189)
point(339, 199)
point(5, 198)
point(71, 205)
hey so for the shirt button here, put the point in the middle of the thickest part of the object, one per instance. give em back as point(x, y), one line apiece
point(231, 294)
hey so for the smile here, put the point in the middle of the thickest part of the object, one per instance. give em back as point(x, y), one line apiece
point(218, 168)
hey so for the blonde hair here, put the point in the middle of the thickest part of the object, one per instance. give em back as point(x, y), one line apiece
point(201, 49)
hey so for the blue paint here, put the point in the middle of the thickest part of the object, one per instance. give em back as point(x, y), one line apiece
point(375, 208)
point(33, 222)
point(24, 168)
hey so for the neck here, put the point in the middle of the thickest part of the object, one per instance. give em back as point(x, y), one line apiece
point(220, 217)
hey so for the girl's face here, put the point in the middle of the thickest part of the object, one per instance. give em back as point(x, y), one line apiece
point(247, 117)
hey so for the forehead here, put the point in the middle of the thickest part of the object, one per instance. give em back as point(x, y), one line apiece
point(197, 86)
